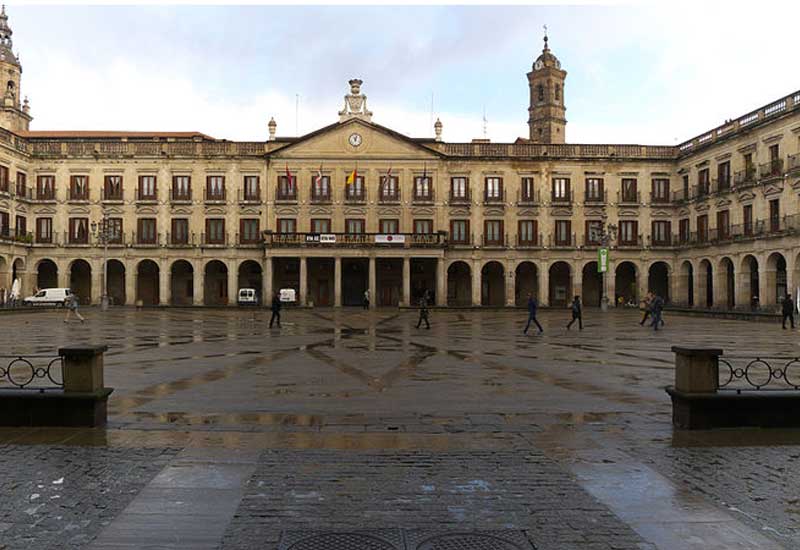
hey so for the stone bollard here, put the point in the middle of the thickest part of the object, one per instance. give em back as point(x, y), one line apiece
point(696, 369)
point(83, 368)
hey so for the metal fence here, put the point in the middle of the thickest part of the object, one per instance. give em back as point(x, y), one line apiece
point(760, 374)
point(28, 372)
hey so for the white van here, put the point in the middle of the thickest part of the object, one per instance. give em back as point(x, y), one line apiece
point(247, 297)
point(49, 296)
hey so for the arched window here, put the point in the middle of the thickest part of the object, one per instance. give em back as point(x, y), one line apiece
point(540, 90)
point(558, 92)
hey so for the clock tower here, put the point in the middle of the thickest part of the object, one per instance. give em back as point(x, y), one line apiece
point(546, 114)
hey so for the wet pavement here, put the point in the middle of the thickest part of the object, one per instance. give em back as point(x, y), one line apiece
point(225, 434)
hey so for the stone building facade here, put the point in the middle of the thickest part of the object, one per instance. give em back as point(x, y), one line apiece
point(189, 219)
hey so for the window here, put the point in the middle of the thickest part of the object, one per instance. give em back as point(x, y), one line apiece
point(540, 92)
point(594, 189)
point(46, 188)
point(422, 188)
point(683, 230)
point(215, 231)
point(558, 92)
point(22, 182)
point(702, 228)
point(423, 226)
point(252, 188)
point(747, 216)
point(702, 182)
point(79, 230)
point(355, 191)
point(774, 152)
point(629, 190)
point(661, 232)
point(287, 188)
point(147, 188)
point(686, 195)
point(389, 189)
point(249, 231)
point(181, 188)
point(320, 225)
point(774, 215)
point(112, 188)
point(44, 230)
point(79, 188)
point(561, 190)
point(146, 230)
point(723, 224)
point(660, 190)
point(775, 164)
point(180, 231)
point(594, 232)
point(114, 231)
point(389, 227)
point(749, 169)
point(5, 225)
point(215, 188)
point(353, 225)
point(4, 179)
point(723, 176)
point(287, 225)
point(321, 188)
point(493, 232)
point(527, 232)
point(459, 188)
point(527, 191)
point(628, 232)
point(459, 232)
point(563, 233)
point(494, 189)
point(21, 226)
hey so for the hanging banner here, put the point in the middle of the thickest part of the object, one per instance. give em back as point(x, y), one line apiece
point(390, 239)
point(602, 260)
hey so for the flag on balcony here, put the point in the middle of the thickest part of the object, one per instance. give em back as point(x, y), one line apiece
point(424, 170)
point(288, 175)
point(351, 179)
point(318, 179)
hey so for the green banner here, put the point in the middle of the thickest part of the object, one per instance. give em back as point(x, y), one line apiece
point(602, 260)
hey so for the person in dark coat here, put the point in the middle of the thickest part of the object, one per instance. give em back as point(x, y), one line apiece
point(577, 313)
point(423, 311)
point(646, 307)
point(532, 307)
point(787, 307)
point(276, 310)
point(656, 309)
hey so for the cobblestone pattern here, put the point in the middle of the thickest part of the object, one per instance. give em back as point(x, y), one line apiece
point(54, 497)
point(449, 490)
point(758, 485)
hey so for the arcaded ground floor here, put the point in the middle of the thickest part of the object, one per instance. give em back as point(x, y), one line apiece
point(225, 434)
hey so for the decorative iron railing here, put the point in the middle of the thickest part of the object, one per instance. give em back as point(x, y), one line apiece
point(760, 375)
point(21, 372)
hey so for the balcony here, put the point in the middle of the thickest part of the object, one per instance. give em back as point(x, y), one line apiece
point(252, 196)
point(535, 242)
point(70, 240)
point(701, 191)
point(595, 198)
point(22, 193)
point(465, 242)
point(145, 241)
point(682, 195)
point(659, 198)
point(13, 235)
point(634, 243)
point(744, 178)
point(528, 199)
point(78, 198)
point(351, 197)
point(569, 242)
point(45, 196)
point(146, 197)
point(212, 196)
point(283, 195)
point(669, 241)
point(180, 196)
point(771, 170)
point(242, 241)
point(721, 185)
point(423, 198)
point(180, 240)
point(349, 240)
point(109, 197)
point(564, 199)
point(321, 198)
point(500, 242)
point(495, 198)
point(389, 198)
point(460, 199)
point(628, 199)
point(794, 163)
point(213, 241)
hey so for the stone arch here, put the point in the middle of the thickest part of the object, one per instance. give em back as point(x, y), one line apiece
point(493, 287)
point(215, 289)
point(749, 282)
point(686, 283)
point(115, 277)
point(625, 283)
point(591, 285)
point(148, 282)
point(251, 276)
point(459, 284)
point(705, 283)
point(80, 280)
point(776, 283)
point(526, 280)
point(726, 283)
point(17, 268)
point(181, 283)
point(560, 275)
point(658, 275)
point(46, 274)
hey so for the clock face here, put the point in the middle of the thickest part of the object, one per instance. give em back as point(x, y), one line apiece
point(355, 140)
point(538, 64)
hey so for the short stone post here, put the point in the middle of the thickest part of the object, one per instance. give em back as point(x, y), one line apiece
point(85, 396)
point(696, 369)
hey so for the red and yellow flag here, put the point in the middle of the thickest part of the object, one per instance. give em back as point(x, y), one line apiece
point(351, 179)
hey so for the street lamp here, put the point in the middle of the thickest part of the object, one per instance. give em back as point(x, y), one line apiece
point(104, 232)
point(605, 235)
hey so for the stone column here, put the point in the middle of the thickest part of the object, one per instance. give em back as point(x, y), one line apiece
point(611, 285)
point(373, 298)
point(406, 301)
point(543, 278)
point(63, 277)
point(130, 283)
point(266, 283)
point(766, 295)
point(642, 278)
point(441, 283)
point(510, 284)
point(97, 283)
point(476, 283)
point(83, 368)
point(233, 284)
point(164, 287)
point(699, 284)
point(199, 285)
point(303, 280)
point(337, 281)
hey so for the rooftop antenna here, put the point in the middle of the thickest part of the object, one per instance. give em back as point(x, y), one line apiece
point(296, 114)
point(485, 122)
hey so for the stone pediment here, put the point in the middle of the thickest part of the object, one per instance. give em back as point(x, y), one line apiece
point(459, 212)
point(5, 203)
point(389, 211)
point(723, 202)
point(182, 210)
point(250, 211)
point(796, 185)
point(772, 189)
point(746, 196)
point(355, 211)
point(660, 214)
point(45, 210)
point(114, 210)
point(561, 212)
point(146, 210)
point(376, 141)
point(320, 211)
point(528, 212)
point(595, 212)
point(78, 210)
point(628, 214)
point(493, 212)
point(287, 210)
point(683, 212)
point(424, 211)
point(702, 207)
point(215, 210)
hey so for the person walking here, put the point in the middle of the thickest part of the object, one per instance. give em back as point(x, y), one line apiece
point(656, 310)
point(787, 307)
point(366, 299)
point(276, 310)
point(71, 304)
point(646, 307)
point(577, 313)
point(423, 311)
point(533, 305)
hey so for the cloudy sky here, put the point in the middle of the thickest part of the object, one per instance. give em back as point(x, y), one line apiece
point(647, 73)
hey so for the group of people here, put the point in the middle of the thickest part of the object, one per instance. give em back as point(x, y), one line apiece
point(11, 297)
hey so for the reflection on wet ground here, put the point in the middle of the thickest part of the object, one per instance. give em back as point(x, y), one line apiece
point(356, 381)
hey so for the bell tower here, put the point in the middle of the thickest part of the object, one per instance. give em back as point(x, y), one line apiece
point(546, 114)
point(14, 114)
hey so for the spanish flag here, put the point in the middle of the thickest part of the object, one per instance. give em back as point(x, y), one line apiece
point(351, 179)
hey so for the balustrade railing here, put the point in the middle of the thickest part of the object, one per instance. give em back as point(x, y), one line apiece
point(26, 372)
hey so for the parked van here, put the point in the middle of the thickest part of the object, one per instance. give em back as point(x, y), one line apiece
point(49, 297)
point(247, 297)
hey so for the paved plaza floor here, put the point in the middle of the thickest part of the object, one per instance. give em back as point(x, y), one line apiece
point(352, 429)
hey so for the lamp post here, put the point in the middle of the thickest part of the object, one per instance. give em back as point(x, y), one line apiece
point(607, 233)
point(104, 232)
